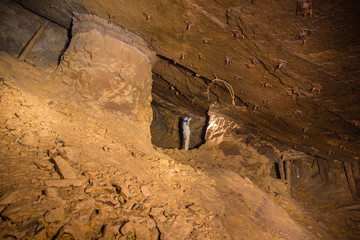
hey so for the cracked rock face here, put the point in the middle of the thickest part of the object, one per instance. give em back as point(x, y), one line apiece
point(110, 66)
point(297, 75)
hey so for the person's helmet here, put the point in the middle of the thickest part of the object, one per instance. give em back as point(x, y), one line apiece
point(186, 119)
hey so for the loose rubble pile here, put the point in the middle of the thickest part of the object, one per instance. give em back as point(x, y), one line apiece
point(52, 190)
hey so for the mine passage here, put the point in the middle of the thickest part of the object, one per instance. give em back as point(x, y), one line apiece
point(97, 99)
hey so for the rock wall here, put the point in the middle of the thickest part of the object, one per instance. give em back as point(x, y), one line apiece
point(109, 67)
point(18, 25)
point(235, 142)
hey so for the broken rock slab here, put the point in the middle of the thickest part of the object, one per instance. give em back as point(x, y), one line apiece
point(64, 169)
point(51, 192)
point(44, 164)
point(29, 139)
point(100, 190)
point(65, 182)
point(164, 162)
point(53, 153)
point(143, 229)
point(125, 194)
point(128, 228)
point(55, 215)
point(145, 190)
point(70, 154)
point(19, 211)
point(70, 232)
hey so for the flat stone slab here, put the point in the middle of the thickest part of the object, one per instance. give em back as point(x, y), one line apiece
point(145, 190)
point(64, 168)
point(65, 182)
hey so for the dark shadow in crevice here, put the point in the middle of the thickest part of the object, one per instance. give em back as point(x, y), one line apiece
point(277, 170)
point(65, 47)
point(181, 135)
point(203, 132)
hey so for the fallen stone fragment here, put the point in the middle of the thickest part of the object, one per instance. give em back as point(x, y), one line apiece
point(156, 211)
point(125, 194)
point(65, 182)
point(144, 189)
point(51, 192)
point(121, 200)
point(108, 233)
point(29, 228)
point(137, 207)
point(40, 233)
point(53, 153)
point(100, 189)
point(106, 201)
point(164, 162)
point(85, 207)
point(129, 205)
point(44, 165)
point(56, 215)
point(181, 228)
point(70, 232)
point(29, 139)
point(70, 154)
point(128, 228)
point(19, 211)
point(142, 231)
point(53, 202)
point(64, 169)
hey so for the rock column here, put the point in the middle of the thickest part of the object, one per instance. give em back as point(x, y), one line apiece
point(109, 67)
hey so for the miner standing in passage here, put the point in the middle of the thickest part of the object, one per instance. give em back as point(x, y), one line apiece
point(186, 132)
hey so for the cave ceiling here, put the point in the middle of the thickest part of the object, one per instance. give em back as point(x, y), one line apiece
point(295, 77)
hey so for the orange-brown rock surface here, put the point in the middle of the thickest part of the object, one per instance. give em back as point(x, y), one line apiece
point(272, 156)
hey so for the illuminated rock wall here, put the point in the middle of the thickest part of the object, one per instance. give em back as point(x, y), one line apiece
point(109, 68)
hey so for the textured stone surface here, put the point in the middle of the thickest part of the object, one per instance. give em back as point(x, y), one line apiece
point(187, 201)
point(70, 154)
point(64, 183)
point(30, 139)
point(315, 90)
point(102, 66)
point(196, 194)
point(55, 215)
point(17, 28)
point(64, 168)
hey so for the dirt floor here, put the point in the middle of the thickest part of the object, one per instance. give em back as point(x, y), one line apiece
point(70, 170)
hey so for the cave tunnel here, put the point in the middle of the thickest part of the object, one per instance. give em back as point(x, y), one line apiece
point(93, 95)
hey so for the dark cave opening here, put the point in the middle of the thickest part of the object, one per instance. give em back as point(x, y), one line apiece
point(166, 128)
